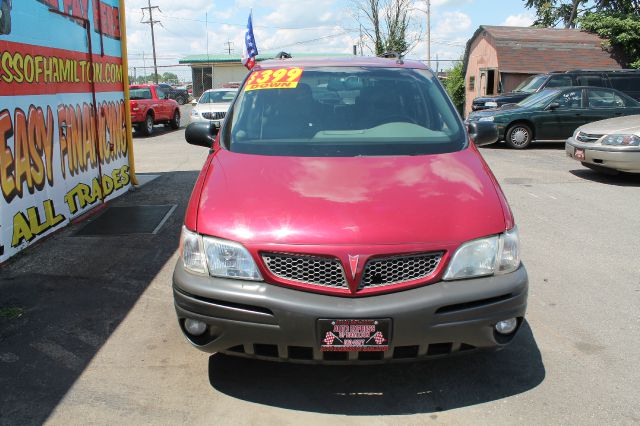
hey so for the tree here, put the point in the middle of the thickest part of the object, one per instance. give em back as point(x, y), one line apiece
point(454, 84)
point(169, 76)
point(385, 24)
point(551, 13)
point(622, 31)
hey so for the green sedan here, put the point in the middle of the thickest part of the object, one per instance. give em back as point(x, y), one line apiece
point(552, 115)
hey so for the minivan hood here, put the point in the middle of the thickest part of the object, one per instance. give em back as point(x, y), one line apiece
point(349, 200)
point(629, 124)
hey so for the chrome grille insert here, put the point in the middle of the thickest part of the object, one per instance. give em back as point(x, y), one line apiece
point(316, 270)
point(587, 138)
point(386, 271)
point(214, 115)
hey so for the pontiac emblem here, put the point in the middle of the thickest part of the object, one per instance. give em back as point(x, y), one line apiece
point(353, 264)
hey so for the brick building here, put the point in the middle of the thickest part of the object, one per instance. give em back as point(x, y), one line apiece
point(497, 59)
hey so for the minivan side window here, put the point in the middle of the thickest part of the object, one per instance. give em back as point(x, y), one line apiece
point(559, 81)
point(590, 80)
point(627, 83)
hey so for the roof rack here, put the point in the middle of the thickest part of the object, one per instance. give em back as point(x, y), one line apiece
point(596, 70)
point(283, 55)
point(393, 55)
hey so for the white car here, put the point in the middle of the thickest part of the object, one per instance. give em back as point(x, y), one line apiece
point(612, 144)
point(212, 105)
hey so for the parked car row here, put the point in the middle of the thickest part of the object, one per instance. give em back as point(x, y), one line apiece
point(626, 81)
point(554, 114)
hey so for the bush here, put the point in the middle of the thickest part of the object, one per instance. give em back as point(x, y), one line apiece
point(455, 86)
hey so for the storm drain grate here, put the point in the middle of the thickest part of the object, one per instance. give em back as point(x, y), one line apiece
point(126, 220)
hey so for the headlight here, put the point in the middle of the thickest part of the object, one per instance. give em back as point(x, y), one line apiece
point(491, 104)
point(499, 254)
point(486, 118)
point(192, 252)
point(194, 113)
point(621, 140)
point(220, 257)
point(230, 260)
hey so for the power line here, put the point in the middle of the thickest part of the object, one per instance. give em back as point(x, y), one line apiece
point(153, 38)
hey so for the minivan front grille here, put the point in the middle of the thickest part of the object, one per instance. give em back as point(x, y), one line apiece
point(386, 271)
point(214, 115)
point(306, 269)
point(587, 137)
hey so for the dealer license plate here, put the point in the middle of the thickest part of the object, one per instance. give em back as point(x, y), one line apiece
point(346, 335)
point(579, 154)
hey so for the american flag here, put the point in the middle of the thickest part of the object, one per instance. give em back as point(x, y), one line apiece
point(249, 50)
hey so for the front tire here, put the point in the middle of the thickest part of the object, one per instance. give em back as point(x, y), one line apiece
point(147, 126)
point(180, 100)
point(519, 136)
point(175, 122)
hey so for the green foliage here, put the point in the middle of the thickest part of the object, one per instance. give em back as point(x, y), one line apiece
point(622, 31)
point(454, 84)
point(552, 13)
point(169, 77)
point(618, 21)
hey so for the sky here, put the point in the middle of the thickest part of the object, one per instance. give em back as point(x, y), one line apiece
point(191, 27)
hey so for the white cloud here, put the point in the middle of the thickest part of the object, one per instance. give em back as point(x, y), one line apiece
point(452, 22)
point(455, 3)
point(320, 25)
point(520, 20)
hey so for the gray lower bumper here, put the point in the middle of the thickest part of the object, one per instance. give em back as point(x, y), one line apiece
point(271, 322)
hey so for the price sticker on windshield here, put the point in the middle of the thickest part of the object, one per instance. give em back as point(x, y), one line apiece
point(281, 78)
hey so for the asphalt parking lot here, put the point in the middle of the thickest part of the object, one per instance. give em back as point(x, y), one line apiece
point(100, 345)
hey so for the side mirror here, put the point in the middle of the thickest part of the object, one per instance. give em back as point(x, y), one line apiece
point(194, 102)
point(483, 132)
point(553, 106)
point(166, 96)
point(202, 134)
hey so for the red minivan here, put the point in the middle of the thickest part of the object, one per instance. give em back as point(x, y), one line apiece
point(345, 215)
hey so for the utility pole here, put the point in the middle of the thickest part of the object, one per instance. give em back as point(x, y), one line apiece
point(229, 44)
point(361, 42)
point(429, 33)
point(153, 38)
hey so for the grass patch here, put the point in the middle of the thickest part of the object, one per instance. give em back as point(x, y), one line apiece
point(11, 313)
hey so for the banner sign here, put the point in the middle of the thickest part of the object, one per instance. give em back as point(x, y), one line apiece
point(64, 143)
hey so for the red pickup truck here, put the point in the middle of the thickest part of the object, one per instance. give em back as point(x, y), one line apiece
point(151, 105)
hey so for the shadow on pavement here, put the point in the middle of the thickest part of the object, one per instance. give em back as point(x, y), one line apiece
point(391, 389)
point(158, 130)
point(73, 292)
point(608, 178)
point(533, 147)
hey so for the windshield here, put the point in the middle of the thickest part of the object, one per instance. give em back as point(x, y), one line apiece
point(531, 84)
point(219, 96)
point(538, 99)
point(343, 112)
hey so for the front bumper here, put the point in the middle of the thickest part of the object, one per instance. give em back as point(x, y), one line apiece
point(623, 159)
point(256, 319)
point(200, 119)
